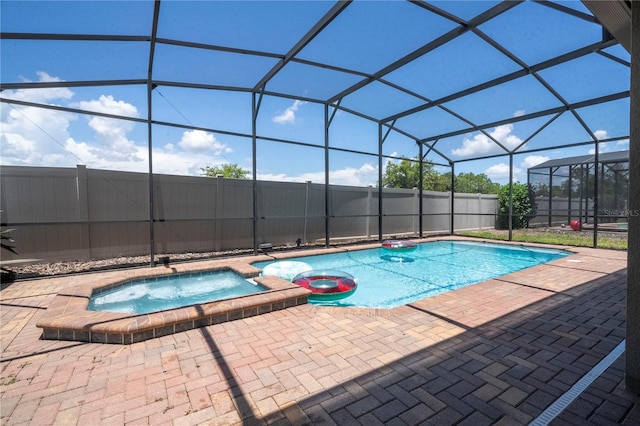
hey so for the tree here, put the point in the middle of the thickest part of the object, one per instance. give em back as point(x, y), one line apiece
point(540, 189)
point(401, 175)
point(440, 182)
point(475, 184)
point(227, 170)
point(524, 206)
point(406, 175)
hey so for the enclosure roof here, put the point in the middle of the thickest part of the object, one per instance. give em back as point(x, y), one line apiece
point(606, 157)
point(464, 79)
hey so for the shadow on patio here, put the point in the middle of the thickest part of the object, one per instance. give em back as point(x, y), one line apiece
point(508, 369)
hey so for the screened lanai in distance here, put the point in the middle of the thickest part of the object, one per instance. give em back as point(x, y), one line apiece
point(113, 112)
point(565, 191)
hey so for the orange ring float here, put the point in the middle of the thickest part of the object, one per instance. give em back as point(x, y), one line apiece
point(399, 245)
point(326, 285)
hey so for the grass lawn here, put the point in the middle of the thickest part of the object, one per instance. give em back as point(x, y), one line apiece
point(543, 236)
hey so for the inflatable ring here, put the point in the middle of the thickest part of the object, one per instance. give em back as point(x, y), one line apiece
point(326, 285)
point(399, 245)
point(286, 269)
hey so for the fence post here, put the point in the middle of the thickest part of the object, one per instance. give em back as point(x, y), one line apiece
point(218, 213)
point(369, 200)
point(416, 217)
point(82, 199)
point(306, 210)
point(480, 212)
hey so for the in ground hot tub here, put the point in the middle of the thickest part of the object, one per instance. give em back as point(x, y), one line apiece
point(68, 316)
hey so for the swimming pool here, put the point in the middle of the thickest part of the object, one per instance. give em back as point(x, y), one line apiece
point(154, 294)
point(387, 279)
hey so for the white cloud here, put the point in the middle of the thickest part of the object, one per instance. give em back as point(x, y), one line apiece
point(14, 145)
point(602, 147)
point(177, 163)
point(40, 137)
point(533, 160)
point(500, 172)
point(200, 141)
point(107, 105)
point(519, 113)
point(111, 134)
point(40, 95)
point(130, 158)
point(35, 136)
point(365, 175)
point(315, 177)
point(289, 115)
point(26, 128)
point(600, 134)
point(165, 160)
point(480, 144)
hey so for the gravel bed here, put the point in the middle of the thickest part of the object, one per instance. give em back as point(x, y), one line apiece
point(61, 268)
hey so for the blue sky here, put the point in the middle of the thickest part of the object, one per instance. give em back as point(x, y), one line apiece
point(365, 38)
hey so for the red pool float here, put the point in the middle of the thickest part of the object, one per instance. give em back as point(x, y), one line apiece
point(326, 285)
point(399, 245)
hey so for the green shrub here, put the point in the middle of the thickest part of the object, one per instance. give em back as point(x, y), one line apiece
point(6, 243)
point(524, 206)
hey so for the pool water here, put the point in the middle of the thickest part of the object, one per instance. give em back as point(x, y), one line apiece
point(388, 279)
point(146, 295)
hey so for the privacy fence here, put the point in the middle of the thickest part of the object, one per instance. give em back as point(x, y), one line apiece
point(63, 214)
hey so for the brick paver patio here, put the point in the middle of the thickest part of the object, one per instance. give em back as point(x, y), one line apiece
point(498, 352)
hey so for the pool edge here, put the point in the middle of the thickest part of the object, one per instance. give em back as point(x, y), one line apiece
point(68, 319)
